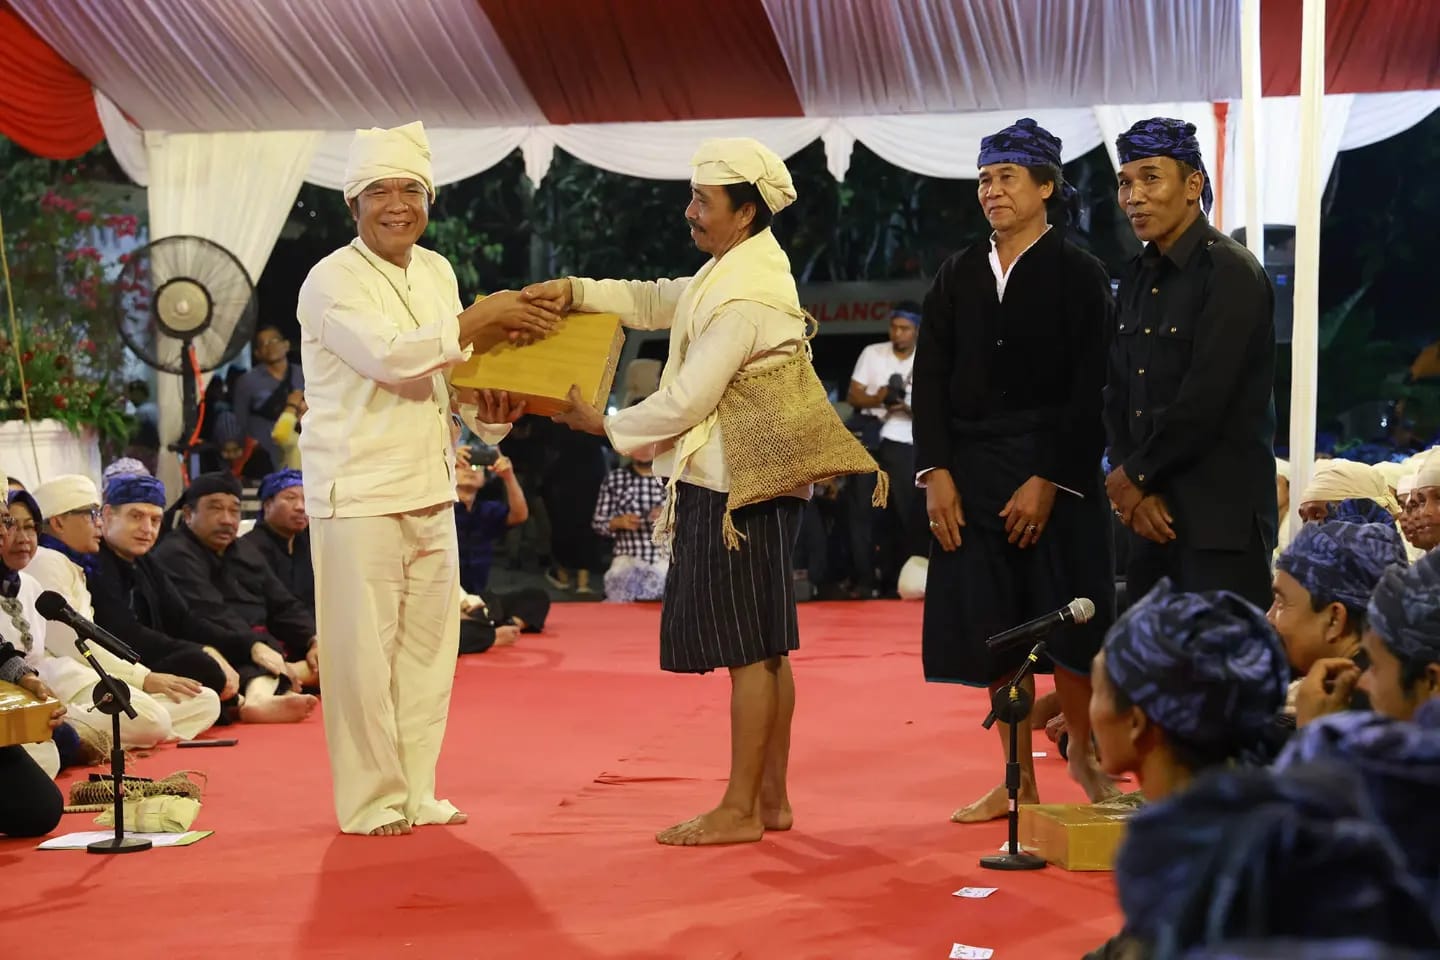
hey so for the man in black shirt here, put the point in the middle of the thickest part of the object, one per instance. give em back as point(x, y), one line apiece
point(282, 536)
point(1008, 436)
point(1188, 406)
point(230, 587)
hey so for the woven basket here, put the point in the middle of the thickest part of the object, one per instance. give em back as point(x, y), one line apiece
point(781, 433)
point(102, 791)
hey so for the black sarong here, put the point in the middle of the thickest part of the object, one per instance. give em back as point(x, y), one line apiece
point(988, 585)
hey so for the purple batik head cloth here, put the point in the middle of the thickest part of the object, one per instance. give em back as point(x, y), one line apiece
point(1164, 137)
point(1342, 561)
point(1205, 667)
point(1027, 144)
point(1405, 610)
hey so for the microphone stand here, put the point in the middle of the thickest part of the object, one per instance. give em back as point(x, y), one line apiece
point(113, 697)
point(1011, 704)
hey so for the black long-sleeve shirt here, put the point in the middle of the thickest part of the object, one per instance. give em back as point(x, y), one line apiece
point(235, 591)
point(1039, 351)
point(138, 603)
point(290, 560)
point(1189, 407)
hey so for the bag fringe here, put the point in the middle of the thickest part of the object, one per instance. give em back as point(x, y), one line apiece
point(882, 489)
point(728, 533)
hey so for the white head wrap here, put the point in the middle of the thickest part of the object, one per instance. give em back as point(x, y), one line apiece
point(1429, 473)
point(377, 154)
point(743, 160)
point(71, 491)
point(1282, 468)
point(1337, 480)
point(1405, 487)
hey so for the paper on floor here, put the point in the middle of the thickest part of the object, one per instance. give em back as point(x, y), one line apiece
point(79, 841)
point(963, 951)
point(974, 893)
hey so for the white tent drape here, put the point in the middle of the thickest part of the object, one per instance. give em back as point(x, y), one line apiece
point(232, 188)
point(946, 145)
point(1280, 134)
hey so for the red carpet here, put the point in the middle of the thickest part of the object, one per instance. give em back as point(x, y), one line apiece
point(569, 752)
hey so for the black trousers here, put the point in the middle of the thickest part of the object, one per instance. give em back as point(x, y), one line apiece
point(883, 539)
point(192, 662)
point(1243, 572)
point(30, 803)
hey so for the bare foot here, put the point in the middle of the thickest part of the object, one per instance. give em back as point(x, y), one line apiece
point(395, 828)
point(996, 803)
point(718, 826)
point(286, 708)
point(778, 817)
point(1097, 785)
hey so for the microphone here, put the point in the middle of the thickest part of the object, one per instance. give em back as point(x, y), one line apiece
point(52, 606)
point(1079, 610)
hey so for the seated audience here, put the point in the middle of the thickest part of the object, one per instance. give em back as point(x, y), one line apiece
point(1337, 480)
point(481, 523)
point(1252, 855)
point(1399, 767)
point(283, 534)
point(136, 601)
point(1323, 582)
point(1424, 504)
point(229, 585)
point(1184, 682)
point(629, 503)
point(166, 706)
point(498, 619)
point(30, 803)
point(1401, 645)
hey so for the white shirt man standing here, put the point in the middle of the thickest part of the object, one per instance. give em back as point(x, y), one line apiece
point(380, 322)
point(880, 393)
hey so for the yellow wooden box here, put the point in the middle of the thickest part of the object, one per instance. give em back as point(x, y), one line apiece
point(1074, 836)
point(23, 718)
point(583, 352)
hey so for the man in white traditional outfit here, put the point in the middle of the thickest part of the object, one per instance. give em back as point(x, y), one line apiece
point(723, 608)
point(381, 320)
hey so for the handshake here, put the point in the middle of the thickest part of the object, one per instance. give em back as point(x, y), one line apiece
point(520, 316)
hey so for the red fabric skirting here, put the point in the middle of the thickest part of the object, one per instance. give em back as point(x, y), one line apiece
point(46, 105)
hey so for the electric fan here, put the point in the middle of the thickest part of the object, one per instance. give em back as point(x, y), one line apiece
point(185, 305)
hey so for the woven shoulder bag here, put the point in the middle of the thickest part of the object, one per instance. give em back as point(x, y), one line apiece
point(781, 433)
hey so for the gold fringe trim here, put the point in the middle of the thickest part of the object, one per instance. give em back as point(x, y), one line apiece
point(882, 489)
point(729, 534)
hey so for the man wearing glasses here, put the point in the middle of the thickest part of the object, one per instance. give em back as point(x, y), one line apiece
point(262, 393)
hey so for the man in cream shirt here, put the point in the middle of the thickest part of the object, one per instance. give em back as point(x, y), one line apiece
point(381, 321)
point(723, 608)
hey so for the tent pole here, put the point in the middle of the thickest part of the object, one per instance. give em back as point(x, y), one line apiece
point(1305, 343)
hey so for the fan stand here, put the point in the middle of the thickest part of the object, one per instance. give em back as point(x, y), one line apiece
point(187, 447)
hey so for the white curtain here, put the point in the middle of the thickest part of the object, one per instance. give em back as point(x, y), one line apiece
point(1379, 116)
point(181, 65)
point(849, 57)
point(662, 151)
point(1280, 133)
point(947, 145)
point(456, 154)
point(235, 189)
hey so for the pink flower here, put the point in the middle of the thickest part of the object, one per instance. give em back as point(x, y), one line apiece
point(84, 216)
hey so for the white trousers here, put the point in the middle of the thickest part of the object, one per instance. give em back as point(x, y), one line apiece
point(387, 604)
point(157, 718)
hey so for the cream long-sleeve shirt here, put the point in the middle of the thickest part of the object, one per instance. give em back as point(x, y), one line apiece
point(375, 341)
point(728, 342)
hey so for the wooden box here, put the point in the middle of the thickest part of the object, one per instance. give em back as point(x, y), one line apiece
point(583, 352)
point(1074, 836)
point(23, 719)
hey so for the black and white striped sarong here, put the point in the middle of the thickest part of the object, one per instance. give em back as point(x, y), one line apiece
point(729, 608)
